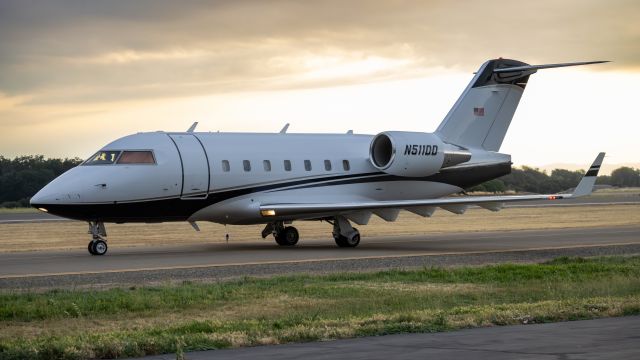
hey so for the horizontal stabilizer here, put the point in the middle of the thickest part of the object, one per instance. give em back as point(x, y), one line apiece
point(545, 66)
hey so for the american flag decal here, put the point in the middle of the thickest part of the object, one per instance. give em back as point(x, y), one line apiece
point(478, 111)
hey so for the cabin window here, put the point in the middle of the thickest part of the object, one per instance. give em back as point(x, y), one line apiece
point(327, 165)
point(136, 157)
point(307, 165)
point(287, 165)
point(345, 165)
point(105, 157)
point(246, 164)
point(267, 165)
point(225, 166)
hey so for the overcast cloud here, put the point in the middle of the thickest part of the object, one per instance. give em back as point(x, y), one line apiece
point(56, 52)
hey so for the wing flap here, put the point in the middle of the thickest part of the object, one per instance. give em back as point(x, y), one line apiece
point(424, 211)
point(456, 208)
point(425, 207)
point(445, 203)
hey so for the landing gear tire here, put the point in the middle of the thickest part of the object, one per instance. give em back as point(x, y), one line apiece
point(350, 241)
point(90, 247)
point(98, 244)
point(287, 237)
point(98, 247)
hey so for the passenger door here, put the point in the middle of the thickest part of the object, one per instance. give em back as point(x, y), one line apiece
point(195, 166)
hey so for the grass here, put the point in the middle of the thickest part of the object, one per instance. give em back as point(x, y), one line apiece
point(73, 235)
point(78, 324)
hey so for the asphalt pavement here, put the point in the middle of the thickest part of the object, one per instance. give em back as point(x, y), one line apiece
point(611, 338)
point(265, 251)
point(215, 262)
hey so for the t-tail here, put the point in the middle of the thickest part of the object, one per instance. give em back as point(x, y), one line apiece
point(481, 116)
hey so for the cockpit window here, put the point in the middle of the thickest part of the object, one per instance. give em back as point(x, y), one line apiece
point(103, 158)
point(136, 157)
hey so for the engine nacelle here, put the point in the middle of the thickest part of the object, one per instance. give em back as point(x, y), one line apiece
point(413, 154)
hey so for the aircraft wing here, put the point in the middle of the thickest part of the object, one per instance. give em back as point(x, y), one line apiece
point(426, 207)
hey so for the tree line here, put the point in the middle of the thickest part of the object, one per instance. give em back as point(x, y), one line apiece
point(23, 176)
point(533, 180)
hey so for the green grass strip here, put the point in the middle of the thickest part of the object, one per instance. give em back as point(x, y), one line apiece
point(75, 324)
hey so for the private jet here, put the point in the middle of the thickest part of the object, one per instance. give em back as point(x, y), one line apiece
point(278, 178)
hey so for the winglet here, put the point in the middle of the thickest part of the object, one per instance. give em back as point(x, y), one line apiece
point(585, 187)
point(192, 127)
point(284, 129)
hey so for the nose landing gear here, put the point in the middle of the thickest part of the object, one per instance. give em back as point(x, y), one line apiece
point(98, 244)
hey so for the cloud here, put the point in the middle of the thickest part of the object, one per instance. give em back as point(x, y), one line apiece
point(103, 51)
point(10, 102)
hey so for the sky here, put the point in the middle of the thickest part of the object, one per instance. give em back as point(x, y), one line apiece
point(75, 75)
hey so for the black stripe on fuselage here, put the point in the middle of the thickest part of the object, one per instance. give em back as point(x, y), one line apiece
point(169, 209)
point(176, 209)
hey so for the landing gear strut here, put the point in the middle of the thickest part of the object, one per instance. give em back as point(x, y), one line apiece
point(344, 234)
point(284, 235)
point(98, 244)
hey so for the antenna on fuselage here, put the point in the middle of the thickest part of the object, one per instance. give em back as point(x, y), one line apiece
point(284, 129)
point(192, 127)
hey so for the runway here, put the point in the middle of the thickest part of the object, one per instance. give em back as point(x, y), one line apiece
point(220, 260)
point(613, 338)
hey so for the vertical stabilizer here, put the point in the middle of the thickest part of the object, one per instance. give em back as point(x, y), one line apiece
point(481, 116)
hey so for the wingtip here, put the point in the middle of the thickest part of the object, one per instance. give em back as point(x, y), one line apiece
point(599, 159)
point(585, 187)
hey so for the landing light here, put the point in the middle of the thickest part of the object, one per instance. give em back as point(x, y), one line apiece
point(43, 209)
point(269, 212)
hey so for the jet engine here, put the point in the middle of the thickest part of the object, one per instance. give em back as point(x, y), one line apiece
point(414, 154)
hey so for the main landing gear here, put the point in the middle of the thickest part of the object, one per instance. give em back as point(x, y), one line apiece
point(343, 233)
point(284, 235)
point(98, 244)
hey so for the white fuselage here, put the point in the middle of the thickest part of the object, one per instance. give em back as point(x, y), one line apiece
point(224, 177)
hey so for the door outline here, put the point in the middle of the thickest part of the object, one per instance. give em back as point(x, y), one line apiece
point(206, 158)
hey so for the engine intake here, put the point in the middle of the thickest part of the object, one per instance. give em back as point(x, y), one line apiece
point(413, 154)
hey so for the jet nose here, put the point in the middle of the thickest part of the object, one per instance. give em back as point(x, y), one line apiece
point(42, 198)
point(35, 199)
point(51, 194)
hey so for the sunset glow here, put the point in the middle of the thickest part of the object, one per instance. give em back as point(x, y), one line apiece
point(76, 75)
